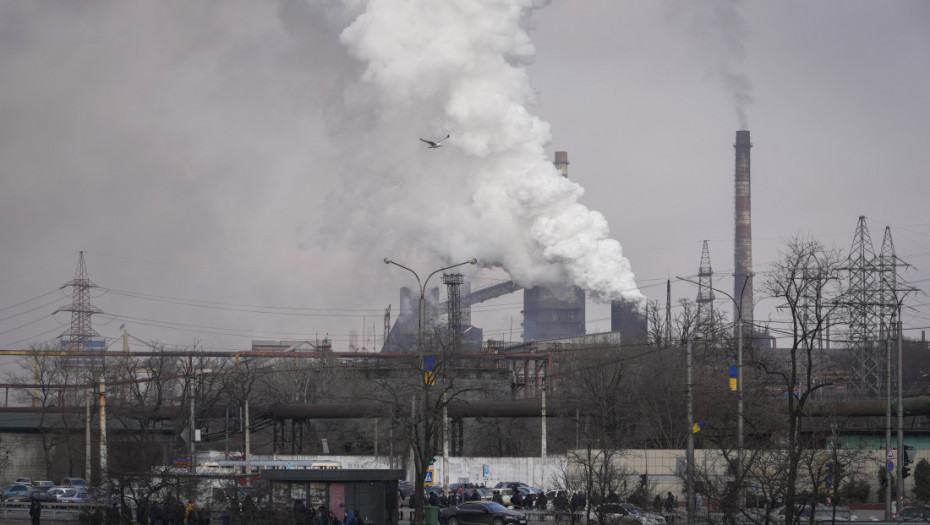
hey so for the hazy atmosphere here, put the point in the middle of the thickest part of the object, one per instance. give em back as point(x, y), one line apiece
point(239, 170)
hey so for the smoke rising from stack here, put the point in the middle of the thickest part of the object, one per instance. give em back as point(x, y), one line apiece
point(720, 30)
point(431, 68)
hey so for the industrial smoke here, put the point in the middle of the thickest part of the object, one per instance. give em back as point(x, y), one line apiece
point(459, 67)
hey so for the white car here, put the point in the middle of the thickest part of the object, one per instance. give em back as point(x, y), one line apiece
point(77, 496)
point(506, 494)
point(58, 492)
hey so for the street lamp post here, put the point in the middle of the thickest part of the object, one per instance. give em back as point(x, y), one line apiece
point(689, 472)
point(739, 385)
point(422, 286)
point(422, 321)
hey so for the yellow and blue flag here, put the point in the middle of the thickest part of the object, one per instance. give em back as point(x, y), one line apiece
point(697, 427)
point(734, 376)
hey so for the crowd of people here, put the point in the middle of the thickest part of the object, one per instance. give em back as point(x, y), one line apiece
point(309, 515)
point(170, 512)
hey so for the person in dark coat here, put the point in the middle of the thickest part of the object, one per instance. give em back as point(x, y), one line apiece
point(433, 499)
point(475, 496)
point(497, 498)
point(35, 511)
point(319, 517)
point(670, 503)
point(561, 505)
point(517, 500)
point(541, 501)
point(350, 518)
point(529, 501)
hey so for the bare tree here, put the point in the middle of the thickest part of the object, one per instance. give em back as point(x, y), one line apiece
point(416, 394)
point(806, 281)
point(595, 385)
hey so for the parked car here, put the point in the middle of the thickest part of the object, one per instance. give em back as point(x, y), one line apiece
point(43, 484)
point(24, 481)
point(510, 484)
point(15, 490)
point(506, 494)
point(78, 496)
point(36, 494)
point(526, 489)
point(73, 482)
point(913, 514)
point(405, 488)
point(481, 513)
point(822, 514)
point(58, 492)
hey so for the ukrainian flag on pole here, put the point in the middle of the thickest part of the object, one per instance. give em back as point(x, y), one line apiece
point(734, 376)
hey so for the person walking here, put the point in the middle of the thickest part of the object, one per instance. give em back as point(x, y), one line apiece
point(190, 513)
point(497, 498)
point(541, 501)
point(35, 511)
point(670, 506)
point(669, 502)
point(698, 501)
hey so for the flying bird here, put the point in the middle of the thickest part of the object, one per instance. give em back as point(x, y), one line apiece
point(437, 144)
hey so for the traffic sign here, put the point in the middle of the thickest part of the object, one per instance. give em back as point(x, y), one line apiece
point(890, 465)
point(890, 454)
point(428, 478)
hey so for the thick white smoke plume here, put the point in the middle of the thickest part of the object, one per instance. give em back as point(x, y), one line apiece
point(458, 67)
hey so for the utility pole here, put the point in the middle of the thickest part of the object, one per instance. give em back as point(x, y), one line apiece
point(689, 472)
point(900, 402)
point(103, 430)
point(192, 432)
point(248, 451)
point(87, 441)
point(888, 424)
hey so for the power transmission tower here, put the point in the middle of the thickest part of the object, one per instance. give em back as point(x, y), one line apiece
point(705, 296)
point(77, 337)
point(863, 323)
point(888, 284)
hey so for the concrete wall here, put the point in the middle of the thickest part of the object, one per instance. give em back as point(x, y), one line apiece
point(22, 458)
point(662, 467)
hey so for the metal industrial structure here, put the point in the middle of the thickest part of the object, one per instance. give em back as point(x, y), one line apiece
point(81, 334)
point(554, 311)
point(705, 295)
point(742, 243)
point(453, 284)
point(873, 306)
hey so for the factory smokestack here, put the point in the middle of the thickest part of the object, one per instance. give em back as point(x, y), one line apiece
point(561, 162)
point(742, 245)
point(554, 311)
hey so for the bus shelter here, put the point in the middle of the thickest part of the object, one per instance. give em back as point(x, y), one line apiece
point(372, 493)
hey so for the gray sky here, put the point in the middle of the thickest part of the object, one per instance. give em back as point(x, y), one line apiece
point(236, 170)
